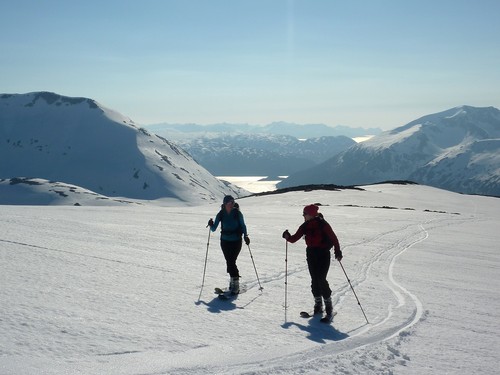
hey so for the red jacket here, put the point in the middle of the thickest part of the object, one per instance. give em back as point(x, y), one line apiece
point(315, 231)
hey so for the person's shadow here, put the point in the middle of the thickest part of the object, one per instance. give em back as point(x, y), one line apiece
point(318, 331)
point(218, 305)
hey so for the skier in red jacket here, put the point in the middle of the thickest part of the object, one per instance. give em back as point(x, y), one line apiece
point(320, 238)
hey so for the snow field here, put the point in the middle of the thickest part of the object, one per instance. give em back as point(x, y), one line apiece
point(114, 290)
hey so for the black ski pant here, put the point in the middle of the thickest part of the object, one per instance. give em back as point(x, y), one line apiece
point(231, 250)
point(318, 261)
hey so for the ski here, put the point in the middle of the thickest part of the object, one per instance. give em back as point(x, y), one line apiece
point(305, 314)
point(225, 294)
point(219, 291)
point(325, 319)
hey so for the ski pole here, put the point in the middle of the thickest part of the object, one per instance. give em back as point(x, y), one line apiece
point(255, 268)
point(205, 267)
point(286, 276)
point(359, 303)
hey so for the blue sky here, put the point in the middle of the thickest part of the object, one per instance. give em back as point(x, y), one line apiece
point(356, 63)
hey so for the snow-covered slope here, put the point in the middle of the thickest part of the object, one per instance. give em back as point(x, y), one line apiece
point(115, 290)
point(37, 191)
point(80, 142)
point(471, 168)
point(456, 149)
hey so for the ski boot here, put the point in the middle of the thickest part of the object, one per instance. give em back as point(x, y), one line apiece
point(234, 285)
point(318, 305)
point(329, 307)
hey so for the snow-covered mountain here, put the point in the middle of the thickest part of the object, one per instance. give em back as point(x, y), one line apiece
point(262, 154)
point(78, 141)
point(458, 150)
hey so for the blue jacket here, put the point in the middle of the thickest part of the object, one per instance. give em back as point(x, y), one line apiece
point(232, 223)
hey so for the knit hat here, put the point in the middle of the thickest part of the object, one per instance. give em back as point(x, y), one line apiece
point(227, 199)
point(311, 210)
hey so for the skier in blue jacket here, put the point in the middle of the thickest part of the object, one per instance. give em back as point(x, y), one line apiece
point(232, 228)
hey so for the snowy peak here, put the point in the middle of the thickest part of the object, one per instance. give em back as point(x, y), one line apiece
point(54, 105)
point(49, 98)
point(77, 141)
point(446, 129)
point(460, 113)
point(455, 149)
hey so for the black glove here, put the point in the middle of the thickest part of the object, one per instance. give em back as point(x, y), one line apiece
point(286, 235)
point(210, 223)
point(247, 240)
point(338, 254)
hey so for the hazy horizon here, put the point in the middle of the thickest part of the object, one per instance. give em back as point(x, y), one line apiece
point(358, 64)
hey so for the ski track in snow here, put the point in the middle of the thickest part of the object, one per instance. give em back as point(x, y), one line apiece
point(397, 322)
point(82, 255)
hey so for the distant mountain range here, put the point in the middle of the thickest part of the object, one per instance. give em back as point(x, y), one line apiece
point(276, 149)
point(187, 131)
point(61, 150)
point(77, 141)
point(457, 150)
point(262, 154)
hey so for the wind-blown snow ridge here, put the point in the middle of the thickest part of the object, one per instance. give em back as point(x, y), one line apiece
point(36, 191)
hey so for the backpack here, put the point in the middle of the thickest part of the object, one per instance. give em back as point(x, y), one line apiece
point(325, 239)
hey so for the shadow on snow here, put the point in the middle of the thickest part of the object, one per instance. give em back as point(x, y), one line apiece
point(218, 305)
point(317, 331)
